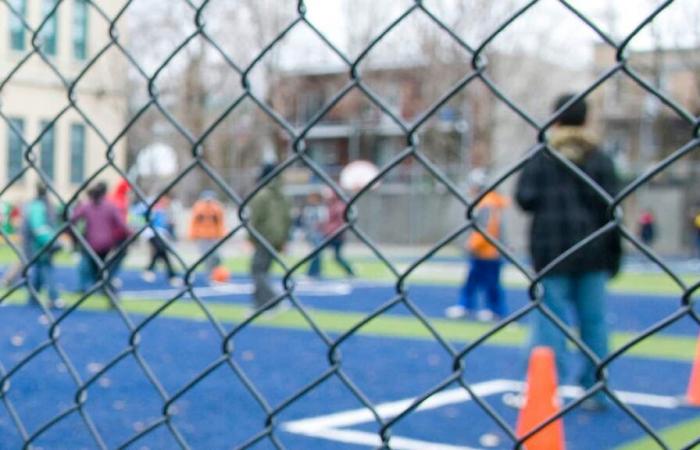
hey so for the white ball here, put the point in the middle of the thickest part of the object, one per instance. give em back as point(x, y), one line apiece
point(357, 175)
point(489, 440)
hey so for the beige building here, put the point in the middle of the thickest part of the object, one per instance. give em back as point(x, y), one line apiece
point(639, 131)
point(636, 124)
point(65, 110)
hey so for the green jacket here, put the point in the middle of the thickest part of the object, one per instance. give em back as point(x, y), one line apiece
point(271, 215)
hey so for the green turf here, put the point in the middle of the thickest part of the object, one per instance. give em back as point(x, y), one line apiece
point(430, 273)
point(8, 256)
point(650, 283)
point(676, 436)
point(660, 346)
point(442, 273)
point(366, 269)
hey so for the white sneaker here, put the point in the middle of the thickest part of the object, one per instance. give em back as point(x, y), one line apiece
point(484, 315)
point(278, 309)
point(117, 283)
point(176, 282)
point(284, 305)
point(515, 400)
point(59, 303)
point(148, 276)
point(456, 312)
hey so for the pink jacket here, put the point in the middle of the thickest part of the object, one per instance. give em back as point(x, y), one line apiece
point(336, 210)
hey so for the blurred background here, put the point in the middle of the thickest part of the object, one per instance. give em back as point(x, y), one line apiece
point(201, 106)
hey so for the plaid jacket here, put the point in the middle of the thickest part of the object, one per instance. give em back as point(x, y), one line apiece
point(565, 210)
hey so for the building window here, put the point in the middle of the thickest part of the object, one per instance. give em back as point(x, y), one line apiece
point(50, 29)
point(77, 153)
point(15, 147)
point(17, 30)
point(80, 29)
point(311, 103)
point(47, 144)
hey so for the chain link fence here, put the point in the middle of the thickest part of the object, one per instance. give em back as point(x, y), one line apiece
point(269, 429)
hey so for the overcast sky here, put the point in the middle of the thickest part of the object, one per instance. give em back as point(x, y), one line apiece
point(679, 24)
point(548, 28)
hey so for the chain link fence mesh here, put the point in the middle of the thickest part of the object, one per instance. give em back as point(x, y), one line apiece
point(297, 154)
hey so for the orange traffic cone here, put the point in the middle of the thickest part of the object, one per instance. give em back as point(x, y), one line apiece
point(693, 395)
point(541, 403)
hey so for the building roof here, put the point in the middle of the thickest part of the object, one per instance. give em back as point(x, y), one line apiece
point(335, 68)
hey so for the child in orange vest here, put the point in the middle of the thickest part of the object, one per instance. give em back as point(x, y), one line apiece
point(207, 226)
point(484, 258)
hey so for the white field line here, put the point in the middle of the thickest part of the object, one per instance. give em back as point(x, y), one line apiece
point(630, 398)
point(330, 426)
point(373, 440)
point(322, 289)
point(392, 409)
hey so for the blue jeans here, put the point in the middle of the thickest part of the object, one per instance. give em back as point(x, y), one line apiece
point(585, 293)
point(484, 275)
point(213, 260)
point(88, 270)
point(315, 268)
point(337, 246)
point(42, 274)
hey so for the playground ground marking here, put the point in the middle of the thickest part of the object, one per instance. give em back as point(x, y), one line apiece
point(334, 427)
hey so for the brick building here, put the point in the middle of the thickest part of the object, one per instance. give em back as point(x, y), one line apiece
point(639, 131)
point(474, 129)
point(357, 128)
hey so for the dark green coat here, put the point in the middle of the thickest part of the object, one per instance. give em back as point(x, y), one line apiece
point(271, 215)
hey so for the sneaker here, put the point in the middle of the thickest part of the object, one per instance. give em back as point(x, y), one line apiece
point(148, 276)
point(484, 315)
point(456, 312)
point(284, 305)
point(176, 282)
point(515, 400)
point(278, 309)
point(594, 404)
point(59, 303)
point(117, 283)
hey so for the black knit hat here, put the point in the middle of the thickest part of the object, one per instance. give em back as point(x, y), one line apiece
point(265, 170)
point(574, 115)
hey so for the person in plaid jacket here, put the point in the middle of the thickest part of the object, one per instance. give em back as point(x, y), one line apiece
point(565, 210)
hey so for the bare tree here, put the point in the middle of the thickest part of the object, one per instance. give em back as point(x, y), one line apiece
point(204, 79)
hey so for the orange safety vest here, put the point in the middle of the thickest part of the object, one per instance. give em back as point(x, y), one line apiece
point(492, 206)
point(207, 220)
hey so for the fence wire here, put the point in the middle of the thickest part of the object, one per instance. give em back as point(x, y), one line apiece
point(269, 429)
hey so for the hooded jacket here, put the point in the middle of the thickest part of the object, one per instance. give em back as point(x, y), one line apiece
point(565, 210)
point(120, 197)
point(336, 216)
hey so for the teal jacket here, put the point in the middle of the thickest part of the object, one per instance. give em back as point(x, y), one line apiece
point(38, 228)
point(271, 215)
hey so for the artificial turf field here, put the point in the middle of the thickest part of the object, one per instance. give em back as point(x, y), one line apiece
point(391, 359)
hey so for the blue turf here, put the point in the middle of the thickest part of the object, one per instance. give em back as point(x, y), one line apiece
point(220, 413)
point(432, 301)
